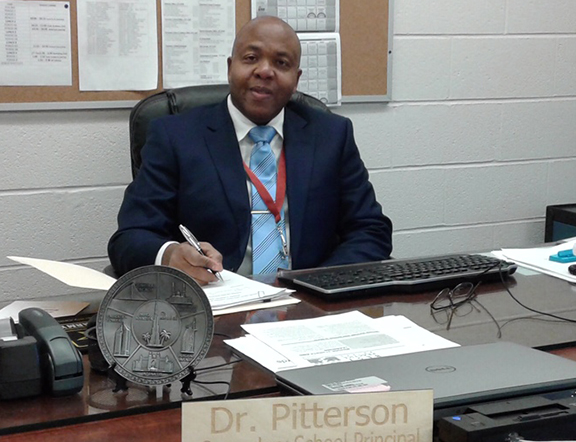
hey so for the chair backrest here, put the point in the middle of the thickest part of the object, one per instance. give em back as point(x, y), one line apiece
point(174, 101)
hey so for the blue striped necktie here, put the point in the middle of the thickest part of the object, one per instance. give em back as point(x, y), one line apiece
point(267, 249)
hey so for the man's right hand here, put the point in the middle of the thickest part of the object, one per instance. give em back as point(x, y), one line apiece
point(186, 258)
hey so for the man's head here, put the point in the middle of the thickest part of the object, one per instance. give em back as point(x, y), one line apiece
point(264, 68)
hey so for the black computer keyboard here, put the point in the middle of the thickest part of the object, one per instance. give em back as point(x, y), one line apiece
point(407, 275)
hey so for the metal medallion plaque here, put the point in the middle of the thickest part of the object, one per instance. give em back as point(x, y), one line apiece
point(154, 325)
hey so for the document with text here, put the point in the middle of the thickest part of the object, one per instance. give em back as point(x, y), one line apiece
point(302, 15)
point(236, 290)
point(333, 338)
point(36, 48)
point(197, 39)
point(117, 45)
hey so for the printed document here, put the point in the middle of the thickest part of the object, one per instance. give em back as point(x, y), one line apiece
point(302, 15)
point(117, 45)
point(333, 338)
point(197, 39)
point(35, 49)
point(321, 64)
point(236, 290)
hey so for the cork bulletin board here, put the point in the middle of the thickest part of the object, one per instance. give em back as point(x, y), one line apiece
point(364, 33)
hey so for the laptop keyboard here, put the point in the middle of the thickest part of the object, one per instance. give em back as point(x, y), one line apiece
point(399, 275)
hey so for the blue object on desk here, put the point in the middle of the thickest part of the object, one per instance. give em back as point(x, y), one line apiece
point(564, 256)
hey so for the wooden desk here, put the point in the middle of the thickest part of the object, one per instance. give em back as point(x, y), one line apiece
point(475, 325)
point(149, 427)
point(97, 400)
point(97, 414)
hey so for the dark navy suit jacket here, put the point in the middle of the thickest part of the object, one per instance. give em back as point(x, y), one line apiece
point(192, 174)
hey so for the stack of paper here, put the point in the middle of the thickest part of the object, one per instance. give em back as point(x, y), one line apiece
point(235, 290)
point(333, 338)
point(538, 258)
point(234, 293)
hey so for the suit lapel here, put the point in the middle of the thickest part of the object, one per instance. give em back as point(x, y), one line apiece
point(223, 148)
point(299, 144)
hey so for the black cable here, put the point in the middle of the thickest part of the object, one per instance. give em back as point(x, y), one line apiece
point(213, 367)
point(225, 364)
point(552, 315)
point(228, 384)
point(499, 334)
point(534, 318)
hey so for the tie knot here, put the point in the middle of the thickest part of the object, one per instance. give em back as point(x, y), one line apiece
point(262, 134)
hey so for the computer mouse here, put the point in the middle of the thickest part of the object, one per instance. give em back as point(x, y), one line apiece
point(572, 269)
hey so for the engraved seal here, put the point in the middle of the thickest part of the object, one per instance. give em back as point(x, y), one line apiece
point(154, 325)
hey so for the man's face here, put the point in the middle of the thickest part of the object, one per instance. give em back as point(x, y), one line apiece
point(263, 70)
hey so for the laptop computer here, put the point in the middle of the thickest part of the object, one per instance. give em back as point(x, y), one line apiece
point(459, 376)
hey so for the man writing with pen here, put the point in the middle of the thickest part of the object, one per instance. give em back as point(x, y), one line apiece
point(262, 182)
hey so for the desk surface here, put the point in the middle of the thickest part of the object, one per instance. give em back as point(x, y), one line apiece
point(141, 414)
point(495, 315)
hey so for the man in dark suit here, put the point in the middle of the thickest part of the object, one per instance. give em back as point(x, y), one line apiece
point(193, 174)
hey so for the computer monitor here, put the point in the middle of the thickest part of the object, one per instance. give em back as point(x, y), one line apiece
point(560, 222)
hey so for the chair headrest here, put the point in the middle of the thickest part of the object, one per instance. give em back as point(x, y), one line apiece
point(175, 101)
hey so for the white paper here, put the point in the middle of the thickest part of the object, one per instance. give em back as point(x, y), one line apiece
point(117, 45)
point(317, 23)
point(197, 37)
point(56, 309)
point(321, 65)
point(302, 15)
point(236, 290)
point(236, 293)
point(333, 338)
point(413, 337)
point(256, 306)
point(261, 353)
point(35, 50)
point(538, 259)
point(70, 274)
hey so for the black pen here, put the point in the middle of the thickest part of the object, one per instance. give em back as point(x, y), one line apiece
point(194, 243)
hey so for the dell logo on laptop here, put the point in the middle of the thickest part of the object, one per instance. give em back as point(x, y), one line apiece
point(441, 369)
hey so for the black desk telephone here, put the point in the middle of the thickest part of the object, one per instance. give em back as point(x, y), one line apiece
point(38, 357)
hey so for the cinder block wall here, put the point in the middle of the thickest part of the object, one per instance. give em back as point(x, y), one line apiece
point(481, 134)
point(479, 137)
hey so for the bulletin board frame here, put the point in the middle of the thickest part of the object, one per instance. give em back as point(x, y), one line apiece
point(365, 32)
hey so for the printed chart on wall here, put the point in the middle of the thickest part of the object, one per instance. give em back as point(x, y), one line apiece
point(36, 49)
point(112, 53)
point(196, 41)
point(317, 23)
point(117, 45)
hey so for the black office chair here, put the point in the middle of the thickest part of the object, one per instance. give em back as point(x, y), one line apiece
point(174, 101)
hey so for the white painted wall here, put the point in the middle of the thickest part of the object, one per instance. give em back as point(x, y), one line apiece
point(479, 138)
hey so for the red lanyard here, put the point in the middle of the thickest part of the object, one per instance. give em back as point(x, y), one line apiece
point(275, 208)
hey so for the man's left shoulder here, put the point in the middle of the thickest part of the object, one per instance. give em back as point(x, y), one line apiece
point(314, 113)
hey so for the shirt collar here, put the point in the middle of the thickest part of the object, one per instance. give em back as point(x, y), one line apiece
point(242, 124)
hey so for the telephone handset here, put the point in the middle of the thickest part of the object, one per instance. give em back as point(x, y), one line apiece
point(60, 362)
